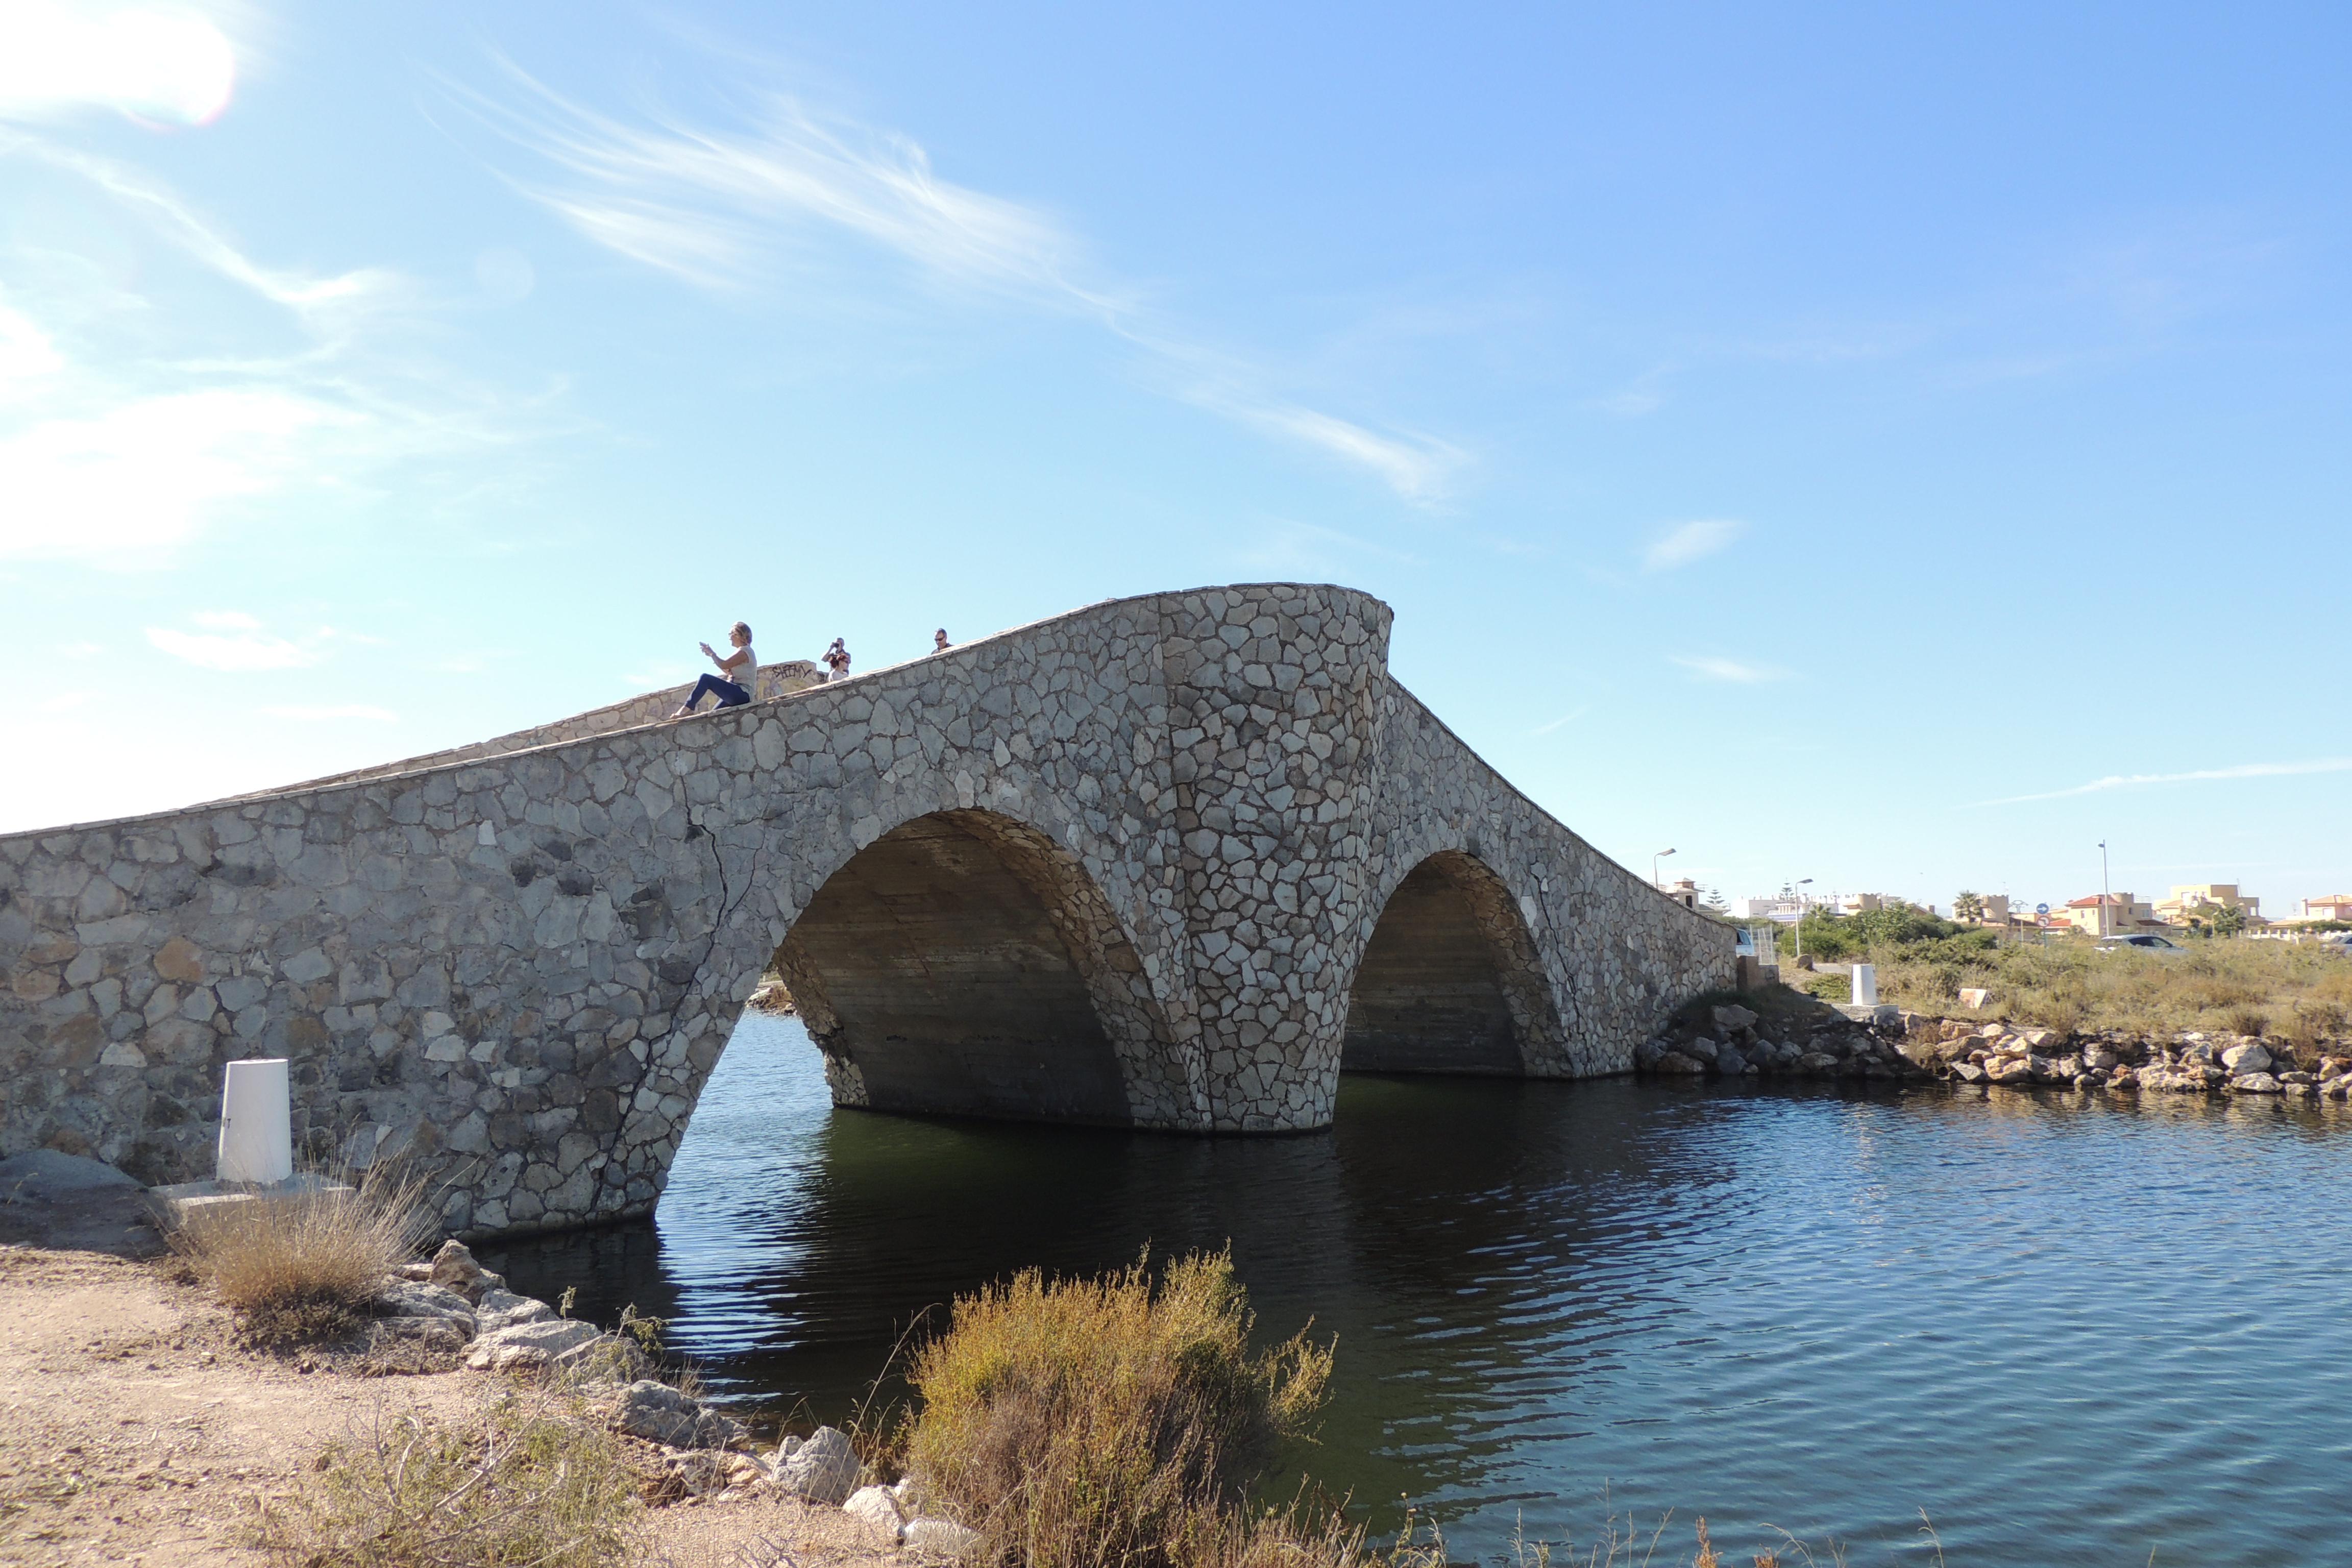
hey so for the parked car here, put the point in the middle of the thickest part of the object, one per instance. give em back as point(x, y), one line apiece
point(2146, 942)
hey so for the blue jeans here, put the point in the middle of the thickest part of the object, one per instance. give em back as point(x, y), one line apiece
point(730, 695)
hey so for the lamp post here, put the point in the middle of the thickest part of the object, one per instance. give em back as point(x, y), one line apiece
point(1801, 885)
point(1655, 882)
point(2106, 900)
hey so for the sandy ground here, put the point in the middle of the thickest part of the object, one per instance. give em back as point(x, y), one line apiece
point(134, 1429)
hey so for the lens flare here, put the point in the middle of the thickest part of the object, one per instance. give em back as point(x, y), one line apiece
point(162, 65)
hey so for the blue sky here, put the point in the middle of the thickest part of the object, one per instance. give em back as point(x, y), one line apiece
point(1897, 445)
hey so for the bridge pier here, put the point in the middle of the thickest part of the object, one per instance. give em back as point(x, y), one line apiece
point(1168, 862)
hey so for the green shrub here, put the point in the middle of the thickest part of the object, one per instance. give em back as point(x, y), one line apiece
point(1080, 1423)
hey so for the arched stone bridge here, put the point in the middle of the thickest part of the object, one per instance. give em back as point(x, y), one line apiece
point(1173, 861)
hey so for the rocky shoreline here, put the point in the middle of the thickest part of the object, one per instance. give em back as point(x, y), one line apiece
point(1891, 1043)
point(452, 1306)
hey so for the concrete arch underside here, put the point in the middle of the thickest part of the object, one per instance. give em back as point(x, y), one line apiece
point(964, 963)
point(1450, 981)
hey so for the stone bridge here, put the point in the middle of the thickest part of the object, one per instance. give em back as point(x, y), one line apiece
point(1168, 862)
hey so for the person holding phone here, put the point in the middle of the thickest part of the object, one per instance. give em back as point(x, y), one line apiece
point(732, 684)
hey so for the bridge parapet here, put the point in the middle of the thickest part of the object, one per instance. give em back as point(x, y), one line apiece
point(1130, 865)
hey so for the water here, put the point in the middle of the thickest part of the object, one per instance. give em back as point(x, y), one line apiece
point(2069, 1331)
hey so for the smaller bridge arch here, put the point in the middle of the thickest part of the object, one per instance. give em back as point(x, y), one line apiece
point(966, 963)
point(1450, 980)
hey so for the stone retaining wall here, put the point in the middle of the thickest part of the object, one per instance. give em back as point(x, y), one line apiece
point(518, 969)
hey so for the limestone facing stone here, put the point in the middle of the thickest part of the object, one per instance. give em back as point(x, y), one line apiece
point(515, 965)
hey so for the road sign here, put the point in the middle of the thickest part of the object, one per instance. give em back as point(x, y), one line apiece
point(2042, 909)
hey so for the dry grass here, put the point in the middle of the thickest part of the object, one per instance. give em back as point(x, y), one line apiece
point(2236, 986)
point(1078, 1423)
point(304, 1265)
point(532, 1481)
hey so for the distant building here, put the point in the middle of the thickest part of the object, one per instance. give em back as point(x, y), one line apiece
point(1683, 892)
point(1862, 903)
point(2334, 907)
point(2190, 903)
point(1996, 910)
point(1787, 912)
point(2121, 912)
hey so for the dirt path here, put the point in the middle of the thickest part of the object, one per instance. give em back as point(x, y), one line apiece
point(134, 1429)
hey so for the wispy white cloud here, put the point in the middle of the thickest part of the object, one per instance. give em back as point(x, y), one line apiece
point(159, 62)
point(235, 643)
point(2195, 775)
point(1291, 548)
point(731, 208)
point(1567, 718)
point(1730, 669)
point(1688, 542)
point(329, 715)
point(118, 451)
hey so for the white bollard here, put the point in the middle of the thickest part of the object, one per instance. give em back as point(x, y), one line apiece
point(257, 1137)
point(1866, 986)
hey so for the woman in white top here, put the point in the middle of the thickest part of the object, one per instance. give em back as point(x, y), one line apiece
point(836, 660)
point(732, 684)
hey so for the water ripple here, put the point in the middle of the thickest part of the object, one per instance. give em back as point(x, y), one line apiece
point(2072, 1331)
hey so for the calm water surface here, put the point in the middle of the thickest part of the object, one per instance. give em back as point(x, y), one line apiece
point(2073, 1333)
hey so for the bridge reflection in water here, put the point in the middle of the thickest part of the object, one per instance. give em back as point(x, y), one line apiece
point(1817, 1308)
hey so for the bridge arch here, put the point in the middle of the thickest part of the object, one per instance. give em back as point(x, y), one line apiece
point(1449, 979)
point(964, 962)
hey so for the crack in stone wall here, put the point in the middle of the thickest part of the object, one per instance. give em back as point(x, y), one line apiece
point(517, 971)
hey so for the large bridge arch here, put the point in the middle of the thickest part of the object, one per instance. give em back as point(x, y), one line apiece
point(964, 962)
point(1449, 979)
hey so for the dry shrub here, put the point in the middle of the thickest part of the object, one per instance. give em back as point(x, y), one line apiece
point(2247, 1021)
point(302, 1265)
point(530, 1480)
point(1079, 1422)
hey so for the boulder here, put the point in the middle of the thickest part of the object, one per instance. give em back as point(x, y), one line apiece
point(876, 1508)
point(2253, 1057)
point(1974, 996)
point(1733, 1019)
point(500, 1309)
point(1729, 1062)
point(2255, 1083)
point(454, 1268)
point(1967, 1072)
point(411, 1298)
point(526, 1347)
point(822, 1469)
point(1675, 1062)
point(1702, 1048)
point(940, 1539)
point(2010, 1070)
point(44, 1174)
point(1817, 1062)
point(660, 1413)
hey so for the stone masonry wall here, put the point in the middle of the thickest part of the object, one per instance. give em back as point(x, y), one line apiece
point(518, 969)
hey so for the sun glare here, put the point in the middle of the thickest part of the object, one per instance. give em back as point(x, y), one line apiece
point(164, 64)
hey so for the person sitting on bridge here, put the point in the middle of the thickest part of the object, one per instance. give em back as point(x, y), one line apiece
point(940, 643)
point(836, 660)
point(732, 684)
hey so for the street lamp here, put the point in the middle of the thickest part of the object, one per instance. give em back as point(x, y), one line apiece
point(2106, 900)
point(1653, 868)
point(1802, 884)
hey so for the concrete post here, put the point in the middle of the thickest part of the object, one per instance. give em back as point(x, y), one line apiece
point(256, 1140)
point(1866, 986)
